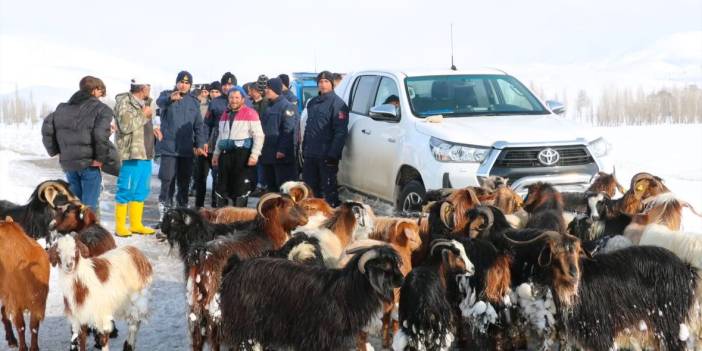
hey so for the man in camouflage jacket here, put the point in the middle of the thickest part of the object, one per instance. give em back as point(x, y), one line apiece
point(135, 142)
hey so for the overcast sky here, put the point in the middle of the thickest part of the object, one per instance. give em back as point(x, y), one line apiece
point(159, 38)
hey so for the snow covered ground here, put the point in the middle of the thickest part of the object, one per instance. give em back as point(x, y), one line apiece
point(673, 152)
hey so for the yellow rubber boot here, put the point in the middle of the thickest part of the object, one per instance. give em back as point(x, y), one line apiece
point(136, 211)
point(121, 221)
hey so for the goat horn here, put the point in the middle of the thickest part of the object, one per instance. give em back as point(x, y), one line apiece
point(42, 189)
point(549, 234)
point(305, 191)
point(688, 205)
point(263, 200)
point(473, 196)
point(436, 243)
point(367, 256)
point(488, 215)
point(641, 176)
point(446, 214)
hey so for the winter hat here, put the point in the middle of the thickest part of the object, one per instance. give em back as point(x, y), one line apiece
point(326, 75)
point(239, 89)
point(228, 78)
point(285, 79)
point(216, 86)
point(261, 82)
point(276, 85)
point(185, 77)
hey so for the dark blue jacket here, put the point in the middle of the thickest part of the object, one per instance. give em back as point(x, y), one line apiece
point(326, 127)
point(214, 112)
point(290, 97)
point(181, 125)
point(280, 123)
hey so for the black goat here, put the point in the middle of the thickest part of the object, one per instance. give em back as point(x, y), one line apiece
point(305, 307)
point(601, 183)
point(430, 297)
point(601, 219)
point(204, 260)
point(302, 249)
point(545, 207)
point(36, 215)
point(600, 297)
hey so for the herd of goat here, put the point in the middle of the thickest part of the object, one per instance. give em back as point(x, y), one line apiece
point(480, 268)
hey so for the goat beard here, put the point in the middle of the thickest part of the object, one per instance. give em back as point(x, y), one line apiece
point(567, 295)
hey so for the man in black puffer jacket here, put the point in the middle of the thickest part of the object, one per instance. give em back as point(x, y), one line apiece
point(79, 131)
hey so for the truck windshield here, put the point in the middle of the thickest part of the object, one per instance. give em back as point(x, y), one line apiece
point(470, 95)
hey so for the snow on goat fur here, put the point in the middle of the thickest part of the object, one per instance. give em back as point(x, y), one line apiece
point(351, 221)
point(121, 293)
point(687, 246)
point(538, 310)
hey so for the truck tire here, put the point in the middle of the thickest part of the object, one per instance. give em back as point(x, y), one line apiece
point(411, 197)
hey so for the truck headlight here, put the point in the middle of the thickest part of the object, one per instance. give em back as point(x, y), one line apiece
point(600, 147)
point(445, 151)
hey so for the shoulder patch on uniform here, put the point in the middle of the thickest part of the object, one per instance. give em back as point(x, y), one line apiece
point(289, 112)
point(343, 115)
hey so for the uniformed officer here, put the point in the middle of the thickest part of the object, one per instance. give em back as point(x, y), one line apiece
point(325, 136)
point(279, 123)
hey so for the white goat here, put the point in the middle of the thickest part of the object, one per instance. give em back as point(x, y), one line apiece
point(97, 290)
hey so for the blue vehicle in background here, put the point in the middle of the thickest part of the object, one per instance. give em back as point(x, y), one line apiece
point(304, 85)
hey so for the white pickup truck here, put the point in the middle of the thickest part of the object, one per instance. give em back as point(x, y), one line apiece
point(413, 131)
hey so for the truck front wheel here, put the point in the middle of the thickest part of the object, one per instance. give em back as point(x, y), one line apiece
point(411, 197)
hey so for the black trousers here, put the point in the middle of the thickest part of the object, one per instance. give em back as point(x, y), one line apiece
point(321, 177)
point(202, 169)
point(175, 170)
point(233, 177)
point(276, 174)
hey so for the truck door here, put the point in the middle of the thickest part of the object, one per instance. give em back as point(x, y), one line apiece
point(357, 153)
point(385, 140)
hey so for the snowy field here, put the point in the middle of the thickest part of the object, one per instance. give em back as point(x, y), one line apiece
point(673, 152)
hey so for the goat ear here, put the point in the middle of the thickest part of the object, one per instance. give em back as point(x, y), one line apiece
point(82, 249)
point(54, 258)
point(545, 252)
point(381, 283)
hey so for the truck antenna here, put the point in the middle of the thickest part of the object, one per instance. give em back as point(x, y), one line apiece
point(453, 67)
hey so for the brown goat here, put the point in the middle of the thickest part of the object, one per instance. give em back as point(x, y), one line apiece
point(24, 283)
point(297, 190)
point(226, 215)
point(507, 200)
point(606, 183)
point(643, 186)
point(351, 221)
point(82, 220)
point(277, 217)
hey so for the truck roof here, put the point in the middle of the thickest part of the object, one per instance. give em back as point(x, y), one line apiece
point(447, 72)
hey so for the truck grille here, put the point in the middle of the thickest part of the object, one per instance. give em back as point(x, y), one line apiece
point(527, 157)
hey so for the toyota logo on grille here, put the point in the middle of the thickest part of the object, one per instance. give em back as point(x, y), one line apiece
point(549, 156)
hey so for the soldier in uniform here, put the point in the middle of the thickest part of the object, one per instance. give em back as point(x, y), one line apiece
point(280, 122)
point(324, 139)
point(289, 95)
point(135, 142)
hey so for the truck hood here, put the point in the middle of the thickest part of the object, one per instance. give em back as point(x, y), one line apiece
point(523, 129)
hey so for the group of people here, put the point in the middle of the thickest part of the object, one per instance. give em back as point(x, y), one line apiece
point(249, 137)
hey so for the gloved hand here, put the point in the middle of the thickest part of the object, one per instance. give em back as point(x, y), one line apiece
point(330, 161)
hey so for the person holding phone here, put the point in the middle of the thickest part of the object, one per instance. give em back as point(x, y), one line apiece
point(183, 138)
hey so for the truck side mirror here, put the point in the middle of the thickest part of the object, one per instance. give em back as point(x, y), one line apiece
point(384, 112)
point(557, 107)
